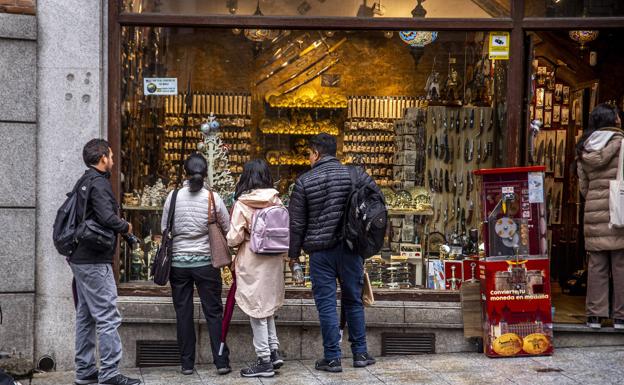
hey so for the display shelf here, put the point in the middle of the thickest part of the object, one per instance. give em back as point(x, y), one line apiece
point(402, 212)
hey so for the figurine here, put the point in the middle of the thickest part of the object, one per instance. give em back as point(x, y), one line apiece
point(453, 86)
point(433, 86)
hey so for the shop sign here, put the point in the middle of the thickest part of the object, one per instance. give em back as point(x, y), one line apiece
point(517, 307)
point(160, 86)
point(536, 187)
point(499, 45)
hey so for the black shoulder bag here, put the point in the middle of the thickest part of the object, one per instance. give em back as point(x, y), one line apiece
point(92, 235)
point(162, 262)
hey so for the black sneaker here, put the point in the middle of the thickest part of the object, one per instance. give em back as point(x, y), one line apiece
point(276, 359)
point(333, 366)
point(92, 379)
point(362, 360)
point(618, 323)
point(260, 369)
point(187, 372)
point(594, 322)
point(120, 379)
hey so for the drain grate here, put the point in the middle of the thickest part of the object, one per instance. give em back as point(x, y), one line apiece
point(402, 344)
point(157, 353)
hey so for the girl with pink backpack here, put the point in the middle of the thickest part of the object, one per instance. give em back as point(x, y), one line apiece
point(259, 228)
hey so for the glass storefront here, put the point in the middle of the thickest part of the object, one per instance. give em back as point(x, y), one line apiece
point(419, 110)
point(325, 8)
point(573, 8)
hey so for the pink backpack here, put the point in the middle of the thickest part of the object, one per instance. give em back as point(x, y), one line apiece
point(269, 230)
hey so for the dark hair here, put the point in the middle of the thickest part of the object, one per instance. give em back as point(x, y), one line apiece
point(196, 169)
point(94, 150)
point(324, 144)
point(256, 174)
point(603, 116)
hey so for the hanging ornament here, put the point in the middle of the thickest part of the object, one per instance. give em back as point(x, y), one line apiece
point(583, 37)
point(260, 35)
point(418, 38)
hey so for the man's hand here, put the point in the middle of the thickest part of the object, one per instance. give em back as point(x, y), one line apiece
point(129, 228)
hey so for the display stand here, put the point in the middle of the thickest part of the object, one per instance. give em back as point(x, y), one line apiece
point(515, 276)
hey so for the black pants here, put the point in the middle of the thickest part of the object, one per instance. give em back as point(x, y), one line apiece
point(208, 282)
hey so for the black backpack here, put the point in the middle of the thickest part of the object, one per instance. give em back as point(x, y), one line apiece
point(365, 219)
point(66, 222)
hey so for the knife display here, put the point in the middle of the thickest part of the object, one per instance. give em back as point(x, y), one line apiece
point(560, 161)
point(540, 153)
point(469, 184)
point(481, 123)
point(550, 155)
point(557, 203)
point(472, 116)
point(315, 44)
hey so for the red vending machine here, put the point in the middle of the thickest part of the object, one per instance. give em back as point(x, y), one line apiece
point(515, 276)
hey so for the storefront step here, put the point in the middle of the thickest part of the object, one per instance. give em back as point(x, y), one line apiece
point(579, 335)
point(153, 319)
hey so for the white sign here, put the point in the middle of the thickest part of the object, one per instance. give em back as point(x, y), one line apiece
point(160, 86)
point(508, 190)
point(536, 187)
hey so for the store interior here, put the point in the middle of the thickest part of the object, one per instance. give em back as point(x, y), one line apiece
point(420, 111)
point(570, 73)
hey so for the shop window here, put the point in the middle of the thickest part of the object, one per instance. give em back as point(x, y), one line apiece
point(573, 8)
point(331, 8)
point(418, 110)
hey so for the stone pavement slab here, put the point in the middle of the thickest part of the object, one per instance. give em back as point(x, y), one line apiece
point(583, 366)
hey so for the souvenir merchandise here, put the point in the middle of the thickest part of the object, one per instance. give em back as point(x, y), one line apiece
point(515, 273)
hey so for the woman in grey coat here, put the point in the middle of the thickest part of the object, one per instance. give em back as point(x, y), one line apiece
point(191, 264)
point(598, 154)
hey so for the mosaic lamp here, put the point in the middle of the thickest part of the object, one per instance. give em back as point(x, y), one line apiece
point(583, 37)
point(418, 38)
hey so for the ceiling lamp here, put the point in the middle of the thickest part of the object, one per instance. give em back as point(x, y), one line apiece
point(260, 35)
point(418, 38)
point(583, 37)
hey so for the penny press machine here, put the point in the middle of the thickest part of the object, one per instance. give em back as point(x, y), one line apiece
point(515, 275)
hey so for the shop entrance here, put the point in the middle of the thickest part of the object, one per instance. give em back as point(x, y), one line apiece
point(571, 73)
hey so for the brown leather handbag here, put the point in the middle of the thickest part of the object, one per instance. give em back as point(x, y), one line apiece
point(220, 252)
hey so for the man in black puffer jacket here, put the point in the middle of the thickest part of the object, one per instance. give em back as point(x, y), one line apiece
point(317, 206)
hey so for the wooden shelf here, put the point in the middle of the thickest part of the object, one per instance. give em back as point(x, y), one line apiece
point(400, 212)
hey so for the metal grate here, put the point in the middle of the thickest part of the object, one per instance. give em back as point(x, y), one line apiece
point(402, 344)
point(157, 353)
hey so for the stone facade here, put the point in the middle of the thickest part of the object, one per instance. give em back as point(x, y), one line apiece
point(18, 130)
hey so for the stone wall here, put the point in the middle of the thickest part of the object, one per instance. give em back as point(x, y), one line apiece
point(18, 133)
point(72, 80)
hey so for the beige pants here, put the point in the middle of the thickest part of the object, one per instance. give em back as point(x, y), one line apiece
point(597, 302)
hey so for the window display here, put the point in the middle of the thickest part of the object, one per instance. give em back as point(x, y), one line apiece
point(314, 8)
point(419, 120)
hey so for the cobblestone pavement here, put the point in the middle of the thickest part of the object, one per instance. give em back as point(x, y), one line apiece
point(587, 366)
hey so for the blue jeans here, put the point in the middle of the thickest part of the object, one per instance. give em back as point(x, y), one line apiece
point(325, 266)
